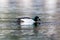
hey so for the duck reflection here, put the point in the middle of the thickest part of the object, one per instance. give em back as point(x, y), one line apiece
point(19, 24)
point(36, 24)
point(35, 28)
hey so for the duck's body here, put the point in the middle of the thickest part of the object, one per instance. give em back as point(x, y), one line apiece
point(25, 21)
point(28, 20)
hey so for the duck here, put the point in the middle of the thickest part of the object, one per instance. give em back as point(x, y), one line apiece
point(28, 20)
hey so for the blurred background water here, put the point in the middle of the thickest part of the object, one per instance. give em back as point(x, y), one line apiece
point(47, 10)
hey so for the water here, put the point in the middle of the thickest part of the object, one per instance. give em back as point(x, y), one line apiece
point(49, 30)
point(12, 31)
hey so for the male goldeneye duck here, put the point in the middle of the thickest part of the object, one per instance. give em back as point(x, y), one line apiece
point(26, 21)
